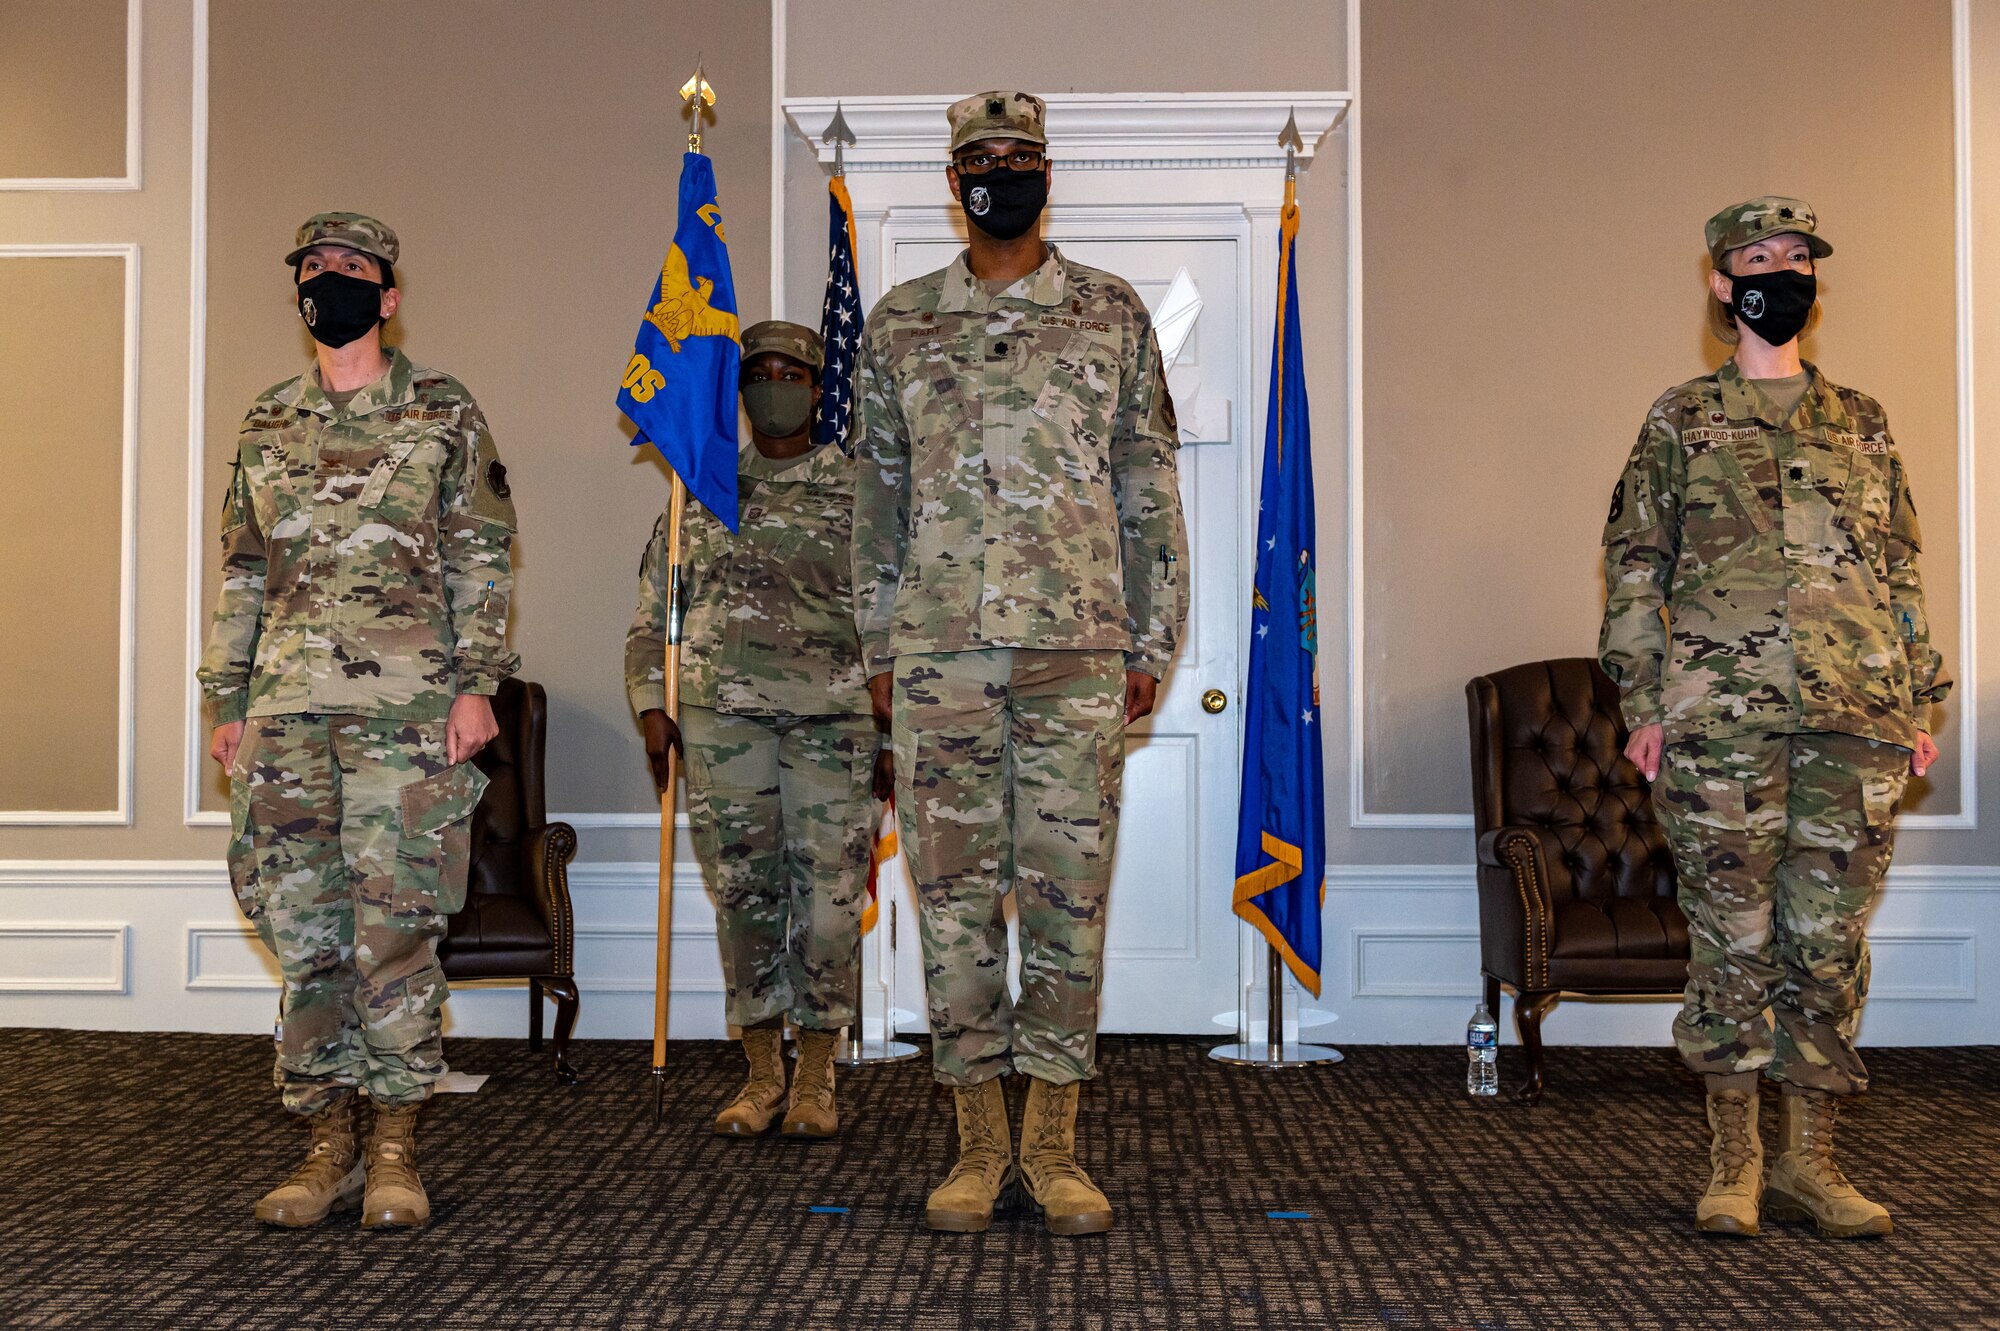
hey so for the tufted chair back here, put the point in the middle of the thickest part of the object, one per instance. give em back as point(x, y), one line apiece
point(1576, 882)
point(514, 800)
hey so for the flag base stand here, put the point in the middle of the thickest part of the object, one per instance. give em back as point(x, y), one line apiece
point(1262, 1054)
point(861, 1053)
point(854, 1051)
point(1274, 1053)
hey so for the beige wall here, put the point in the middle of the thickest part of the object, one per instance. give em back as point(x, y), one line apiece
point(1537, 178)
point(62, 452)
point(62, 88)
point(532, 179)
point(156, 219)
point(851, 47)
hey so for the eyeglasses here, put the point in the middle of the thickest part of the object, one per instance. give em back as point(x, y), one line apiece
point(1021, 159)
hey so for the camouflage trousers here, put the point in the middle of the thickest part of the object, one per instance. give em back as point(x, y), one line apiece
point(349, 849)
point(1008, 767)
point(784, 824)
point(1781, 842)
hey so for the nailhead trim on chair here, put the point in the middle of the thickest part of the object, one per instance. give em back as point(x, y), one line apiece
point(561, 925)
point(1532, 895)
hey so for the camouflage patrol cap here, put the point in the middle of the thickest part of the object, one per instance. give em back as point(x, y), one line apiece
point(795, 341)
point(998, 115)
point(1747, 223)
point(354, 230)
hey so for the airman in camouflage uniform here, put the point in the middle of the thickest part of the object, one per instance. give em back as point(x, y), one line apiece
point(781, 747)
point(361, 628)
point(1780, 704)
point(1019, 558)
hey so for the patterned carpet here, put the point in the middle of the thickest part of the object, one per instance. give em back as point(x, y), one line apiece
point(128, 1165)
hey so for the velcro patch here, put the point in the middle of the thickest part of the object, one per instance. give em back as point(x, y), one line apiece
point(1065, 321)
point(1702, 434)
point(1875, 445)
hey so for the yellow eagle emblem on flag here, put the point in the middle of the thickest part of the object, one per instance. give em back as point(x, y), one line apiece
point(683, 310)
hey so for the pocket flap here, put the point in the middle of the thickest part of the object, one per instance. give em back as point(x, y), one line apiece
point(1059, 385)
point(1719, 803)
point(1880, 796)
point(1740, 488)
point(377, 488)
point(439, 801)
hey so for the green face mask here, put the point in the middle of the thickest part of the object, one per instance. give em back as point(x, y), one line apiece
point(777, 409)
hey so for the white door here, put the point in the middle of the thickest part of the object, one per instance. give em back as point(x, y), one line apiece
point(1171, 948)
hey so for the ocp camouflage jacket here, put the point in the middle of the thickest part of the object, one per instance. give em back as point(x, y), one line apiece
point(366, 554)
point(1017, 484)
point(1784, 552)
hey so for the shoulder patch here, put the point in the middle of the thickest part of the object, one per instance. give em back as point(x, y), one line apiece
point(1617, 503)
point(1165, 419)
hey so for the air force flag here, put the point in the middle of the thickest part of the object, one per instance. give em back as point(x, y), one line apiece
point(680, 385)
point(1281, 824)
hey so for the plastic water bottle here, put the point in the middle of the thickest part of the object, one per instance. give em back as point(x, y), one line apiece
point(1482, 1054)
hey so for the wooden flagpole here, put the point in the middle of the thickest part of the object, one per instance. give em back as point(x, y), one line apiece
point(699, 95)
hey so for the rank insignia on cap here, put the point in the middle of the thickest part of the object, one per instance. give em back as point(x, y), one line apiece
point(994, 106)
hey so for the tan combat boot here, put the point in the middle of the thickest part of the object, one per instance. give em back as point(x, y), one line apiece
point(332, 1175)
point(809, 1112)
point(1735, 1162)
point(395, 1198)
point(756, 1106)
point(1806, 1183)
point(964, 1202)
point(1070, 1203)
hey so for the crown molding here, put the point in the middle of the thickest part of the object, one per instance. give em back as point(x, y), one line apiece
point(1163, 130)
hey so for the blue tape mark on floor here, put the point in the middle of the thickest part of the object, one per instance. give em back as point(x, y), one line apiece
point(827, 1210)
point(1288, 1215)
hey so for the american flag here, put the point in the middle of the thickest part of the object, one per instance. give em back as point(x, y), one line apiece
point(839, 323)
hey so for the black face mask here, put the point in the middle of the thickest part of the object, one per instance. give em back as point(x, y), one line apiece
point(777, 408)
point(1773, 305)
point(338, 308)
point(1003, 203)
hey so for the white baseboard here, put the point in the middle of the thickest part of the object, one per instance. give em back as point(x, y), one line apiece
point(158, 945)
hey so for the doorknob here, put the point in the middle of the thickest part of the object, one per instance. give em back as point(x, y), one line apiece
point(1214, 701)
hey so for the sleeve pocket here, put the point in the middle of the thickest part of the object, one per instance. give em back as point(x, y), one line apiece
point(436, 802)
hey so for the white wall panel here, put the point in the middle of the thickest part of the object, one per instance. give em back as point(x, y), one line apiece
point(158, 946)
point(62, 958)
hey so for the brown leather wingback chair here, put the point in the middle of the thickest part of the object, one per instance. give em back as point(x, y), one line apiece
point(1576, 884)
point(516, 924)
